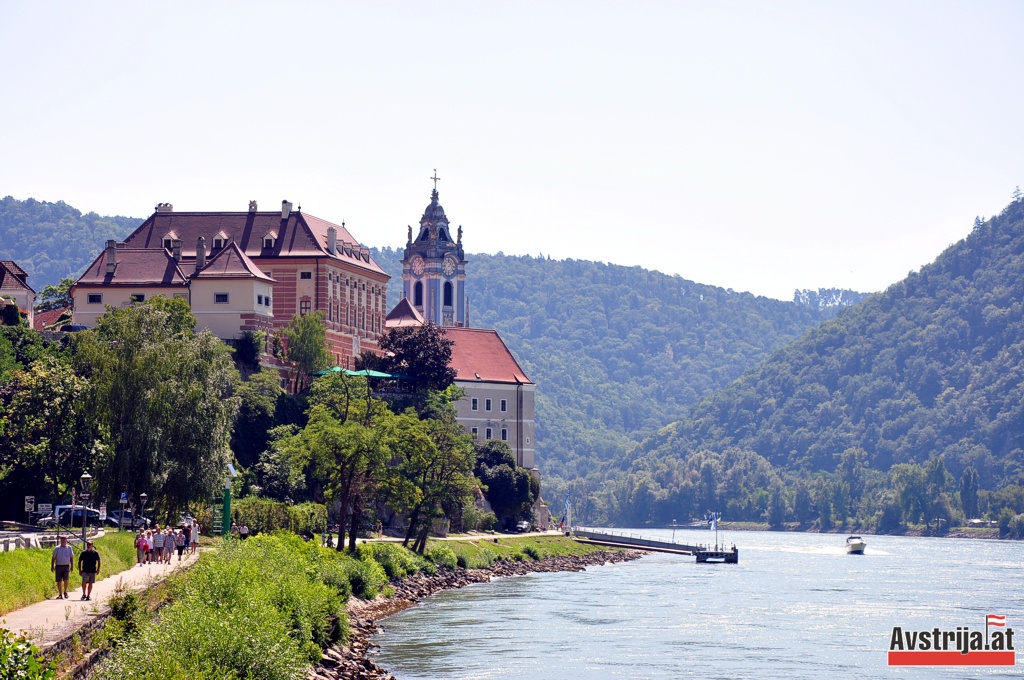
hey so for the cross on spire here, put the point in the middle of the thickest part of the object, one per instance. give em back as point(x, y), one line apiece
point(435, 178)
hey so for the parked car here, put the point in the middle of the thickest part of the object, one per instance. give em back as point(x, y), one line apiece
point(63, 515)
point(523, 527)
point(131, 521)
point(73, 328)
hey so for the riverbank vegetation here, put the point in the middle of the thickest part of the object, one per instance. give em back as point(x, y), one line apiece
point(266, 607)
point(25, 575)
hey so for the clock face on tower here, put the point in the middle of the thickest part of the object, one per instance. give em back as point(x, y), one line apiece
point(418, 265)
point(449, 266)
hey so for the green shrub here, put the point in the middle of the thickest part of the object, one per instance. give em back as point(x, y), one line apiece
point(19, 658)
point(366, 576)
point(531, 551)
point(396, 560)
point(442, 556)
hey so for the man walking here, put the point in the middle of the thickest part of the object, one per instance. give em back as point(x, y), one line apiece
point(62, 563)
point(88, 567)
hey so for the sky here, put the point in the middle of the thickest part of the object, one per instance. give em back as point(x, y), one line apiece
point(757, 146)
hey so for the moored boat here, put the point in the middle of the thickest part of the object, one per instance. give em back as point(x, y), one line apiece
point(855, 545)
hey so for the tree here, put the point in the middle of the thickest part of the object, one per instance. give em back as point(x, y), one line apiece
point(165, 396)
point(969, 492)
point(257, 404)
point(55, 297)
point(422, 354)
point(306, 336)
point(802, 504)
point(507, 487)
point(48, 425)
point(776, 507)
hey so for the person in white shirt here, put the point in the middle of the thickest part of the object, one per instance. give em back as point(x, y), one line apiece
point(62, 563)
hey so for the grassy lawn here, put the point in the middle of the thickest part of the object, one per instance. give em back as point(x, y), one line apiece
point(480, 553)
point(25, 575)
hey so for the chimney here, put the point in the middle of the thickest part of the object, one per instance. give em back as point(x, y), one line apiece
point(332, 240)
point(252, 206)
point(200, 254)
point(286, 209)
point(176, 249)
point(111, 256)
point(164, 207)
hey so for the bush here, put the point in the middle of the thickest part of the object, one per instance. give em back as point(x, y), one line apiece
point(532, 552)
point(263, 515)
point(442, 556)
point(366, 576)
point(260, 608)
point(19, 658)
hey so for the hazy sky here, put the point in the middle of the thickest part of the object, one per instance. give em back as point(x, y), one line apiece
point(761, 146)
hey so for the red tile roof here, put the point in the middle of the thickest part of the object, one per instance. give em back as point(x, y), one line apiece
point(135, 267)
point(12, 277)
point(404, 314)
point(231, 263)
point(44, 319)
point(301, 235)
point(479, 354)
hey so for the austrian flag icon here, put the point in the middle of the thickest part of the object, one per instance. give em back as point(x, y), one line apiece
point(960, 647)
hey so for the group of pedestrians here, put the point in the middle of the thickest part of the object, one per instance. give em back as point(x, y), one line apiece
point(159, 546)
point(62, 564)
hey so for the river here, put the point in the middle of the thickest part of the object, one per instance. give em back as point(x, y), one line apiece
point(796, 606)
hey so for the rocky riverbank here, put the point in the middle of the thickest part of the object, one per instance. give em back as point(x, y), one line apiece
point(354, 660)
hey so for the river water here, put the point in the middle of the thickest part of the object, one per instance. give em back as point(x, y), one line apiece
point(796, 606)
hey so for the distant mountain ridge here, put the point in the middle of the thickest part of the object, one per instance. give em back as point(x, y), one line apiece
point(54, 240)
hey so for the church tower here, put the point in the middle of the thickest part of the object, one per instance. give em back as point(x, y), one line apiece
point(434, 268)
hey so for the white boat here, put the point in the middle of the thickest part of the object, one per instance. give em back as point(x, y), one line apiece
point(855, 545)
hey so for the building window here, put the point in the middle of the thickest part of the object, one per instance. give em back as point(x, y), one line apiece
point(304, 307)
point(475, 432)
point(447, 293)
point(476, 402)
point(487, 404)
point(268, 241)
point(488, 433)
point(504, 404)
point(138, 297)
point(220, 298)
point(218, 243)
point(95, 298)
point(259, 299)
point(527, 440)
point(504, 434)
point(168, 243)
point(180, 296)
point(268, 300)
point(417, 294)
point(305, 275)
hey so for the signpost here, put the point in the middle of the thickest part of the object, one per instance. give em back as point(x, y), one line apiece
point(103, 512)
point(30, 505)
point(124, 501)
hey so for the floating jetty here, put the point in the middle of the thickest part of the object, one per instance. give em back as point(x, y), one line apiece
point(614, 539)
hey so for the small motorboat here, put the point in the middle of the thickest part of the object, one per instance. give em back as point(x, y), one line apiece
point(855, 545)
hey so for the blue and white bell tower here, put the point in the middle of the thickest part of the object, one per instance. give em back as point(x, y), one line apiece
point(434, 268)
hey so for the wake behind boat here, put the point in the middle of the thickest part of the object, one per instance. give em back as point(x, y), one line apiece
point(855, 545)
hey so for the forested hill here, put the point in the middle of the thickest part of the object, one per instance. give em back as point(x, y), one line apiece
point(618, 352)
point(932, 367)
point(54, 240)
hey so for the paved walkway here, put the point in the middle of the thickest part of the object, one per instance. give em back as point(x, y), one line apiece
point(53, 620)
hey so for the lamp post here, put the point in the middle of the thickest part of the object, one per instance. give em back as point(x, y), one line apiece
point(142, 513)
point(86, 479)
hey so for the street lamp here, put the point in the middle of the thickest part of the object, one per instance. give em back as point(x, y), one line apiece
point(142, 513)
point(85, 479)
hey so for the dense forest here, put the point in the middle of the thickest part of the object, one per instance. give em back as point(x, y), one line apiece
point(913, 400)
point(618, 352)
point(54, 240)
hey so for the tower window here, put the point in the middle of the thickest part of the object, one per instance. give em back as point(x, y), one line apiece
point(220, 298)
point(447, 293)
point(259, 299)
point(417, 294)
point(306, 275)
point(304, 307)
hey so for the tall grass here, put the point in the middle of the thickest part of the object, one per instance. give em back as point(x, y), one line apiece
point(25, 575)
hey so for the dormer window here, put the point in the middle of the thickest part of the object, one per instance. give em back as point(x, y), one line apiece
point(168, 240)
point(270, 239)
point(218, 242)
point(168, 243)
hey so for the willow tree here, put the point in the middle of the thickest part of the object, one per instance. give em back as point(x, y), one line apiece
point(165, 396)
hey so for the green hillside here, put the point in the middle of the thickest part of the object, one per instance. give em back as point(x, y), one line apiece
point(54, 240)
point(894, 401)
point(618, 352)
